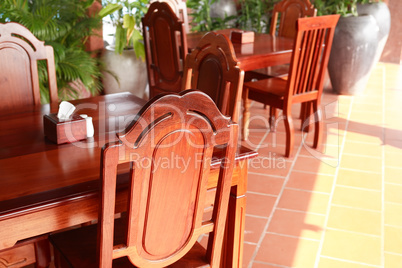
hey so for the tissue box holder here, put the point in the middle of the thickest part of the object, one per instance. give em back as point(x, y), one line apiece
point(64, 131)
point(242, 37)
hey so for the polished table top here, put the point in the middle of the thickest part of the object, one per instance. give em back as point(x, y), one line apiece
point(34, 170)
point(265, 51)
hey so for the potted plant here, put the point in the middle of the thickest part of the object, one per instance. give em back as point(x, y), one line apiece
point(355, 49)
point(124, 59)
point(65, 25)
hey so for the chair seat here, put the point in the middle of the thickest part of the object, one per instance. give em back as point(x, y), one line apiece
point(77, 248)
point(271, 86)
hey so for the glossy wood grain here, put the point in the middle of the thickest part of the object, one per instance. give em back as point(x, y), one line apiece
point(306, 78)
point(266, 50)
point(57, 188)
point(20, 52)
point(212, 68)
point(164, 218)
point(165, 48)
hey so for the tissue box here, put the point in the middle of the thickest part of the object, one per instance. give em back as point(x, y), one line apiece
point(242, 37)
point(64, 131)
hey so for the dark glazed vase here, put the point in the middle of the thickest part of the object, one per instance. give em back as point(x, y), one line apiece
point(381, 14)
point(353, 54)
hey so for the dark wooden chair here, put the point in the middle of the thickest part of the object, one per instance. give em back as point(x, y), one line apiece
point(283, 23)
point(20, 52)
point(165, 48)
point(212, 67)
point(306, 77)
point(165, 199)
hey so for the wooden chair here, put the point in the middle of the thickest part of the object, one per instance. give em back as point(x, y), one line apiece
point(166, 201)
point(283, 23)
point(306, 77)
point(165, 48)
point(212, 67)
point(20, 52)
point(180, 8)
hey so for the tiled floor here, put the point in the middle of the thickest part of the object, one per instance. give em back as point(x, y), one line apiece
point(340, 206)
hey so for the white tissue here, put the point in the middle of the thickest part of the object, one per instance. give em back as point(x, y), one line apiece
point(66, 109)
point(90, 126)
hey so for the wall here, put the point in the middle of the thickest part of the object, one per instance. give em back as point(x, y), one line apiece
point(393, 48)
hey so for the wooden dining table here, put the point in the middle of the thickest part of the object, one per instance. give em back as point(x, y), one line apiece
point(45, 187)
point(265, 51)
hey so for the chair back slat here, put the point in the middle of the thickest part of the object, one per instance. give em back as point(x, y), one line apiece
point(20, 52)
point(311, 52)
point(212, 67)
point(170, 145)
point(165, 48)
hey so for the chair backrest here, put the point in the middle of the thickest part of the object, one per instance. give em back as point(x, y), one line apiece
point(289, 11)
point(165, 48)
point(20, 52)
point(212, 67)
point(180, 8)
point(169, 145)
point(310, 57)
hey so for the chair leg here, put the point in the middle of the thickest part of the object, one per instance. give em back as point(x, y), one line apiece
point(273, 115)
point(318, 125)
point(42, 253)
point(289, 133)
point(305, 117)
point(246, 114)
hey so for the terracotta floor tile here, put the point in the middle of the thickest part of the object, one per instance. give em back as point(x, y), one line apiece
point(393, 147)
point(264, 184)
point(393, 239)
point(259, 205)
point(357, 198)
point(356, 220)
point(270, 164)
point(254, 228)
point(287, 251)
point(297, 224)
point(248, 254)
point(311, 164)
point(393, 214)
point(367, 117)
point(363, 137)
point(311, 182)
point(359, 179)
point(393, 160)
point(263, 265)
point(333, 263)
point(392, 260)
point(393, 193)
point(393, 175)
point(351, 246)
point(304, 201)
point(364, 149)
point(361, 163)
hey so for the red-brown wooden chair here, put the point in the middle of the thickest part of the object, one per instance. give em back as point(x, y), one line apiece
point(20, 52)
point(165, 201)
point(306, 77)
point(180, 8)
point(283, 23)
point(212, 67)
point(165, 48)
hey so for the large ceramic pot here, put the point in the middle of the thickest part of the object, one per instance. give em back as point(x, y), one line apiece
point(131, 73)
point(353, 53)
point(381, 14)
